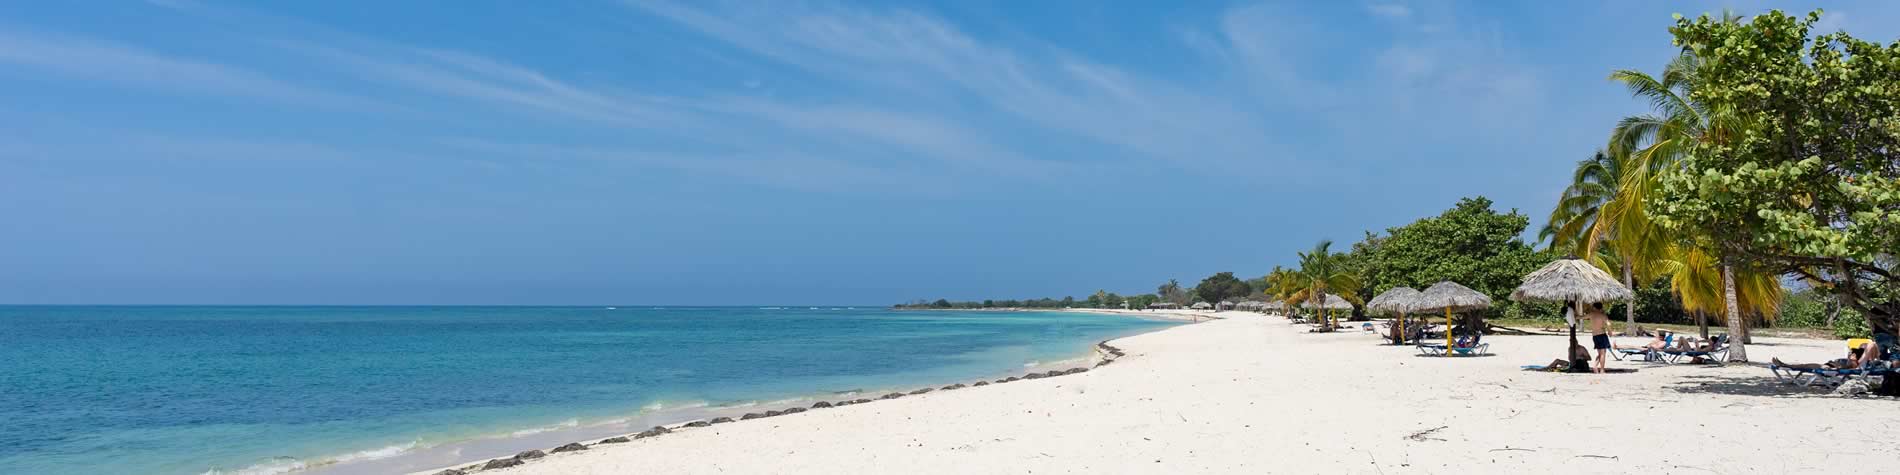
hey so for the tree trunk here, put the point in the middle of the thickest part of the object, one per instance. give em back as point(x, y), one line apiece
point(1629, 308)
point(1737, 350)
point(1702, 323)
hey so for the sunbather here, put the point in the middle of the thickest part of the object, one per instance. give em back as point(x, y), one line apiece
point(1661, 341)
point(1860, 353)
point(1579, 360)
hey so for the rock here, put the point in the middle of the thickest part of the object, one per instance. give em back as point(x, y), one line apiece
point(774, 413)
point(451, 472)
point(953, 386)
point(697, 424)
point(920, 391)
point(615, 440)
point(1033, 376)
point(656, 431)
point(502, 463)
point(570, 447)
point(981, 383)
point(794, 410)
point(860, 401)
point(531, 455)
point(1052, 374)
point(821, 405)
point(1076, 370)
point(1012, 379)
point(721, 420)
point(844, 403)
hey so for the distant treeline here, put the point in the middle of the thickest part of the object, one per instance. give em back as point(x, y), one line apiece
point(1215, 288)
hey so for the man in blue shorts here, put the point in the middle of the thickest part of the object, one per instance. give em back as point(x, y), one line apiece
point(1599, 333)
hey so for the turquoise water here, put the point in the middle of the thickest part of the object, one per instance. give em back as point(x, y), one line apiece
point(191, 390)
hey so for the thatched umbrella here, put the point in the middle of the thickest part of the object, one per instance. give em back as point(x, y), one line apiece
point(1335, 302)
point(1328, 302)
point(1449, 296)
point(1572, 281)
point(1274, 306)
point(1396, 301)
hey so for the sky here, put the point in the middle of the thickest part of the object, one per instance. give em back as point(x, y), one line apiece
point(779, 152)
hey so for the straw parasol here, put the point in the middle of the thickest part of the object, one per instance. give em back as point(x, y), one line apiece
point(1329, 302)
point(1449, 296)
point(1335, 302)
point(1573, 281)
point(1274, 306)
point(1397, 301)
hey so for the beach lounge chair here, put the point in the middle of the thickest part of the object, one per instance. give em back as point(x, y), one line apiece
point(1823, 376)
point(1462, 347)
point(1718, 350)
point(1622, 354)
point(1886, 366)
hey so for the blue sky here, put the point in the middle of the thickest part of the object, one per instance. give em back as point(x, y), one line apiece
point(501, 152)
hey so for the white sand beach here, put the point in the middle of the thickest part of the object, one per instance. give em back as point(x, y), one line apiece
point(1254, 394)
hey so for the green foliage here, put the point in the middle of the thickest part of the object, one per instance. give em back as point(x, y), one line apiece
point(1171, 291)
point(1804, 310)
point(1221, 286)
point(1470, 244)
point(1805, 179)
point(1143, 300)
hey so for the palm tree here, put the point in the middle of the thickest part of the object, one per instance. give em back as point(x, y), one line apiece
point(1321, 272)
point(1700, 283)
point(1583, 224)
point(1282, 286)
point(1170, 291)
point(1654, 143)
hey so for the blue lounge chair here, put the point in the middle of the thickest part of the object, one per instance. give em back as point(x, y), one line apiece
point(1718, 349)
point(1462, 347)
point(1648, 354)
point(1825, 376)
point(1886, 366)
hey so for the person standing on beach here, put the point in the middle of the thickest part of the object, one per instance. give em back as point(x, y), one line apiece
point(1599, 333)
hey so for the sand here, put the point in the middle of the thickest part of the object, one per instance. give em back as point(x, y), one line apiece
point(1254, 394)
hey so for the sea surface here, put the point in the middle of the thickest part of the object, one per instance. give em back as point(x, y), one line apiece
point(194, 390)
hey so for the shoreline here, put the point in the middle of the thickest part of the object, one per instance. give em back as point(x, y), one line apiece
point(459, 451)
point(1207, 398)
point(1101, 353)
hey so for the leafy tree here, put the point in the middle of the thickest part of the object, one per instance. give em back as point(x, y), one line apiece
point(1469, 243)
point(1113, 301)
point(1172, 292)
point(1809, 183)
point(1221, 286)
point(1143, 300)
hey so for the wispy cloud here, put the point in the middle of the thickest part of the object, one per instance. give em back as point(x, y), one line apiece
point(109, 62)
point(1390, 10)
point(904, 96)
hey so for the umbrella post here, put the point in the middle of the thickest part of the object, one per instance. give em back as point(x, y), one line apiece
point(1401, 339)
point(1448, 342)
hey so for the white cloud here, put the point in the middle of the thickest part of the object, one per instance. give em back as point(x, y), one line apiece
point(109, 62)
point(1390, 10)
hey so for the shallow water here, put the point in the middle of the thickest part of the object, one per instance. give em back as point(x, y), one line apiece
point(371, 389)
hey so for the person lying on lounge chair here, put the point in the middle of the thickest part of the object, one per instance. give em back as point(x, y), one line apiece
point(1656, 344)
point(1860, 353)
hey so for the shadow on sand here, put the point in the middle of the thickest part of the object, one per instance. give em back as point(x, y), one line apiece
point(1763, 385)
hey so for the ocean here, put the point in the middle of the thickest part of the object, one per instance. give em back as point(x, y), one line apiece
point(196, 390)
